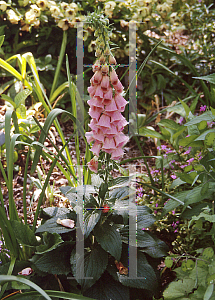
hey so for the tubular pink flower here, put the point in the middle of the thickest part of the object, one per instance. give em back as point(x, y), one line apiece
point(91, 90)
point(97, 78)
point(95, 112)
point(117, 154)
point(118, 87)
point(95, 102)
point(113, 77)
point(93, 164)
point(120, 102)
point(109, 144)
point(121, 140)
point(99, 93)
point(96, 148)
point(111, 107)
point(105, 84)
point(104, 121)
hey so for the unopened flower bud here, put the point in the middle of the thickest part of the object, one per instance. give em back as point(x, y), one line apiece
point(105, 69)
point(102, 59)
point(112, 60)
point(98, 52)
point(107, 51)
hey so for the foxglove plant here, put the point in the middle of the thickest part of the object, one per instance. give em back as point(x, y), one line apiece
point(106, 104)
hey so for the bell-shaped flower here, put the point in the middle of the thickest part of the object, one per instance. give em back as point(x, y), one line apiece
point(105, 84)
point(93, 164)
point(104, 121)
point(120, 102)
point(99, 93)
point(96, 148)
point(97, 78)
point(117, 154)
point(95, 112)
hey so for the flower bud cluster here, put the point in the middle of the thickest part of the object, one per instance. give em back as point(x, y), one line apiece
point(106, 105)
point(64, 14)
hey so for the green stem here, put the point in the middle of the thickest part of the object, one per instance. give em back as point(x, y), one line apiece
point(60, 60)
point(24, 187)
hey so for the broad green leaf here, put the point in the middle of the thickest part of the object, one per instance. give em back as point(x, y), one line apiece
point(160, 249)
point(24, 234)
point(94, 263)
point(119, 181)
point(144, 131)
point(170, 124)
point(6, 278)
point(143, 238)
point(57, 212)
point(179, 289)
point(206, 116)
point(109, 239)
point(91, 218)
point(145, 271)
point(50, 242)
point(55, 261)
point(51, 226)
point(209, 139)
point(209, 292)
point(168, 261)
point(21, 97)
point(187, 140)
point(107, 288)
point(199, 275)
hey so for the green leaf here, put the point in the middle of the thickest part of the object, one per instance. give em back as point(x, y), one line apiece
point(209, 291)
point(119, 181)
point(21, 97)
point(24, 234)
point(51, 226)
point(1, 40)
point(210, 78)
point(168, 261)
point(206, 116)
point(6, 278)
point(91, 218)
point(187, 140)
point(55, 261)
point(180, 288)
point(160, 249)
point(209, 139)
point(144, 131)
point(57, 212)
point(202, 125)
point(107, 288)
point(143, 238)
point(148, 278)
point(109, 239)
point(170, 124)
point(94, 263)
point(51, 242)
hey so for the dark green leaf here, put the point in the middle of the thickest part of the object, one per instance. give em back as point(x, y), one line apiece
point(24, 234)
point(170, 124)
point(91, 218)
point(55, 261)
point(206, 116)
point(51, 241)
point(144, 131)
point(106, 288)
point(109, 239)
point(93, 263)
point(52, 227)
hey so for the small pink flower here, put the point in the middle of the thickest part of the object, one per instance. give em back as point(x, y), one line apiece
point(98, 93)
point(203, 108)
point(104, 121)
point(105, 84)
point(117, 153)
point(95, 112)
point(113, 77)
point(93, 164)
point(120, 102)
point(97, 78)
point(173, 176)
point(96, 148)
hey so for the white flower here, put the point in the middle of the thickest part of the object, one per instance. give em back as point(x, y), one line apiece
point(30, 16)
point(64, 24)
point(12, 16)
point(36, 10)
point(64, 5)
point(69, 13)
point(55, 11)
point(74, 6)
point(42, 4)
point(3, 5)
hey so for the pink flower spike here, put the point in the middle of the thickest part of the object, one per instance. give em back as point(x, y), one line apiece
point(93, 164)
point(96, 148)
point(104, 121)
point(105, 84)
point(113, 77)
point(108, 95)
point(117, 154)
